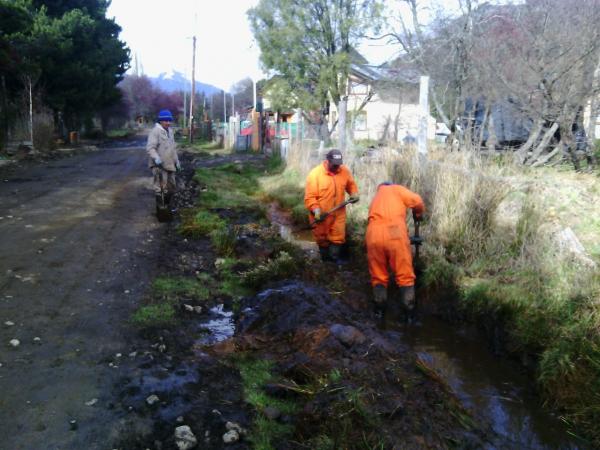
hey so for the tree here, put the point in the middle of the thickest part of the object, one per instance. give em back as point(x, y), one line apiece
point(308, 43)
point(74, 54)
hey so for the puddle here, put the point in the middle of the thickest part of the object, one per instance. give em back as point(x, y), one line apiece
point(303, 238)
point(219, 327)
point(492, 387)
point(170, 386)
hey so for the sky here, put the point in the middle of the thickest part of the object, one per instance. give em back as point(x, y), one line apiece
point(159, 34)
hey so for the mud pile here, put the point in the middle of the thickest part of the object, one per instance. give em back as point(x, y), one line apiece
point(352, 381)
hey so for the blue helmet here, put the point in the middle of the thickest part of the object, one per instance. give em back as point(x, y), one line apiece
point(165, 115)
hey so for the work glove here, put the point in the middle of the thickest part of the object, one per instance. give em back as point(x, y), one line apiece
point(317, 213)
point(178, 166)
point(158, 161)
point(354, 198)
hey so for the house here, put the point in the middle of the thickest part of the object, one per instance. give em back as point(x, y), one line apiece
point(382, 105)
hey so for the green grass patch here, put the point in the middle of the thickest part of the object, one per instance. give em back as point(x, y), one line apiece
point(279, 268)
point(224, 240)
point(265, 433)
point(154, 316)
point(196, 223)
point(119, 133)
point(171, 288)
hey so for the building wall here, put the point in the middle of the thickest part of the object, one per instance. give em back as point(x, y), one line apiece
point(381, 119)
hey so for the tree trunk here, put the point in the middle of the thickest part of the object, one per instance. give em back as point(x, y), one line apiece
point(521, 154)
point(543, 144)
point(342, 109)
point(544, 159)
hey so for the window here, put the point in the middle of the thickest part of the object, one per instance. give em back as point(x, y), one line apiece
point(359, 120)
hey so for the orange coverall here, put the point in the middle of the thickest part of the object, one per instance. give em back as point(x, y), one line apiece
point(388, 243)
point(325, 190)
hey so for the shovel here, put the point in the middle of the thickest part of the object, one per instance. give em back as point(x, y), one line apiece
point(163, 211)
point(312, 224)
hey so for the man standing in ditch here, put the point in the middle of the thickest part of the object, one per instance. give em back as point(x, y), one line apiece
point(326, 187)
point(388, 243)
point(163, 159)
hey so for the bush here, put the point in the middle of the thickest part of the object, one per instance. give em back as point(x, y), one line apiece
point(283, 266)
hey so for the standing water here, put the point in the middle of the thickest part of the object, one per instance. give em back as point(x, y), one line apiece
point(491, 387)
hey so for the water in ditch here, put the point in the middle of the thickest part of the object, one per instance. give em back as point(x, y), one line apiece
point(494, 388)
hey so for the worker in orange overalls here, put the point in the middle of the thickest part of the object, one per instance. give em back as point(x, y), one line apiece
point(326, 187)
point(388, 243)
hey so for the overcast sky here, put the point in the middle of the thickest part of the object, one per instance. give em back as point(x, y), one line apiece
point(159, 33)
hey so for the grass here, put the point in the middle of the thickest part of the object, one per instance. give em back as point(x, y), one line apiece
point(172, 288)
point(154, 316)
point(166, 293)
point(119, 133)
point(196, 223)
point(281, 267)
point(265, 433)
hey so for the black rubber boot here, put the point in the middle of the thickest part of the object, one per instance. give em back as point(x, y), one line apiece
point(407, 297)
point(334, 253)
point(324, 252)
point(380, 299)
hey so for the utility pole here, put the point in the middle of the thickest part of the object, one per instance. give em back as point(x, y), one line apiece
point(184, 105)
point(193, 89)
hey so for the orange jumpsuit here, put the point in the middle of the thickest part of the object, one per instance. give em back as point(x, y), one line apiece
point(325, 190)
point(388, 243)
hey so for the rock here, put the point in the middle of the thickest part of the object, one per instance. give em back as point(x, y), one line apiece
point(219, 262)
point(8, 323)
point(231, 436)
point(92, 402)
point(118, 355)
point(37, 340)
point(271, 413)
point(162, 348)
point(233, 426)
point(15, 342)
point(179, 419)
point(151, 400)
point(189, 308)
point(73, 425)
point(184, 438)
point(347, 335)
point(198, 309)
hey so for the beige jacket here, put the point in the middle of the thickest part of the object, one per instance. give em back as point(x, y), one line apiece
point(161, 143)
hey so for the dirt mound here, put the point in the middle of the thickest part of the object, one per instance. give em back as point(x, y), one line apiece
point(351, 379)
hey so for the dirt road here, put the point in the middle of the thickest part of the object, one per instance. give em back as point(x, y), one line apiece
point(79, 246)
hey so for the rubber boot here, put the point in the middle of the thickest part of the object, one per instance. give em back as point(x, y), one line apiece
point(168, 199)
point(324, 252)
point(380, 299)
point(334, 253)
point(407, 296)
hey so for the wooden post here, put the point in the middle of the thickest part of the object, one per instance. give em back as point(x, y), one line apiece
point(423, 116)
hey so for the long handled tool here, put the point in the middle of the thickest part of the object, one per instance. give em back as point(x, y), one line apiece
point(334, 209)
point(163, 211)
point(416, 239)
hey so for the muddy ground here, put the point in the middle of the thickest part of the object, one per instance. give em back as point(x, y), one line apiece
point(81, 248)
